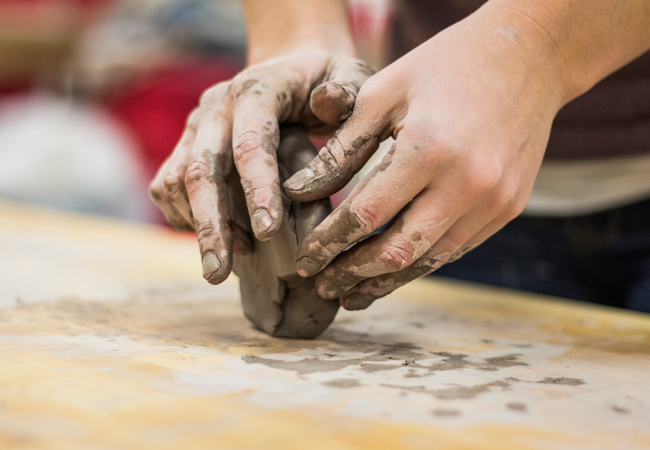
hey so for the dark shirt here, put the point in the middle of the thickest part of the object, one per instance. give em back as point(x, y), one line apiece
point(612, 119)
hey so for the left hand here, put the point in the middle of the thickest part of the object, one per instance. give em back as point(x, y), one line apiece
point(471, 111)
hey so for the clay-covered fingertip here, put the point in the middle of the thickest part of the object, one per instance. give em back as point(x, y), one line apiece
point(327, 290)
point(332, 103)
point(307, 267)
point(216, 279)
point(355, 301)
point(264, 226)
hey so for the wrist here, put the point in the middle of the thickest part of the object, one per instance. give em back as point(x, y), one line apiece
point(313, 38)
point(524, 48)
point(283, 27)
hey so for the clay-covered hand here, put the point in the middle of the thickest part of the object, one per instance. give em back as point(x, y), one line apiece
point(471, 112)
point(238, 121)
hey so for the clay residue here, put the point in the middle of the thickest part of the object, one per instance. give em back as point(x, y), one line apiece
point(386, 357)
point(445, 412)
point(467, 392)
point(458, 361)
point(502, 361)
point(246, 86)
point(562, 380)
point(390, 357)
point(516, 406)
point(342, 383)
point(303, 366)
point(455, 393)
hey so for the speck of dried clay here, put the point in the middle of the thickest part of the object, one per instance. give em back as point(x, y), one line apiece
point(342, 383)
point(562, 380)
point(246, 85)
point(388, 159)
point(516, 406)
point(445, 412)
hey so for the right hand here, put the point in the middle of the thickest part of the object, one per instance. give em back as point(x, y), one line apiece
point(238, 121)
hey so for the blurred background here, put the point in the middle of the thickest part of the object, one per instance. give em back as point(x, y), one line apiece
point(94, 93)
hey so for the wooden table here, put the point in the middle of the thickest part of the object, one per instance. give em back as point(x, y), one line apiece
point(110, 339)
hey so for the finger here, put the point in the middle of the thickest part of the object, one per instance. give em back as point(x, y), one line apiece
point(426, 219)
point(205, 180)
point(255, 140)
point(446, 250)
point(168, 187)
point(345, 153)
point(367, 291)
point(157, 192)
point(372, 203)
point(333, 100)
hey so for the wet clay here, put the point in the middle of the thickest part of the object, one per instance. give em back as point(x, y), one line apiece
point(274, 297)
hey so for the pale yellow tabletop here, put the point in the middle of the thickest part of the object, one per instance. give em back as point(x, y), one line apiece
point(110, 339)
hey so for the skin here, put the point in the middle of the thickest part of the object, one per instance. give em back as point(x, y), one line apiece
point(470, 110)
point(238, 121)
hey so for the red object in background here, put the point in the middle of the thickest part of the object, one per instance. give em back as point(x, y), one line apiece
point(156, 109)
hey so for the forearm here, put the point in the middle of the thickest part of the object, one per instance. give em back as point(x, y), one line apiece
point(279, 27)
point(583, 40)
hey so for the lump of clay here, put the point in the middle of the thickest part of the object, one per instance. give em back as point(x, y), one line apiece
point(274, 297)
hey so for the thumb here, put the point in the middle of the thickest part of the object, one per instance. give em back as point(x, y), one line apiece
point(337, 162)
point(333, 100)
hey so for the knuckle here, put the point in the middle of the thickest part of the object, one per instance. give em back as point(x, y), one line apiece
point(372, 86)
point(205, 230)
point(212, 96)
point(156, 191)
point(366, 219)
point(502, 199)
point(246, 144)
point(395, 258)
point(172, 184)
point(193, 118)
point(481, 181)
point(516, 207)
point(197, 171)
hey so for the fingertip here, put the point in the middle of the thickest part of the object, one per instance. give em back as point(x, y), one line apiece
point(265, 224)
point(354, 301)
point(327, 290)
point(214, 271)
point(307, 267)
point(332, 102)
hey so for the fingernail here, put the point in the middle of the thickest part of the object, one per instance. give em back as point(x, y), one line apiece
point(299, 180)
point(211, 264)
point(327, 290)
point(355, 301)
point(261, 221)
point(306, 267)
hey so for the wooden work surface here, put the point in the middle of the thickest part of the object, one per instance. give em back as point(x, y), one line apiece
point(110, 339)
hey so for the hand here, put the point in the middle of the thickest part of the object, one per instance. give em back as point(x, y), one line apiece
point(470, 111)
point(238, 120)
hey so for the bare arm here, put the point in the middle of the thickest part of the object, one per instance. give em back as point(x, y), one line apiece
point(583, 41)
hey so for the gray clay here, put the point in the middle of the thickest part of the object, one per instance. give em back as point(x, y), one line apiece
point(274, 297)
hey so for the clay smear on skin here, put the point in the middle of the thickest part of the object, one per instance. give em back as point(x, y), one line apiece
point(344, 229)
point(508, 32)
point(463, 250)
point(378, 287)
